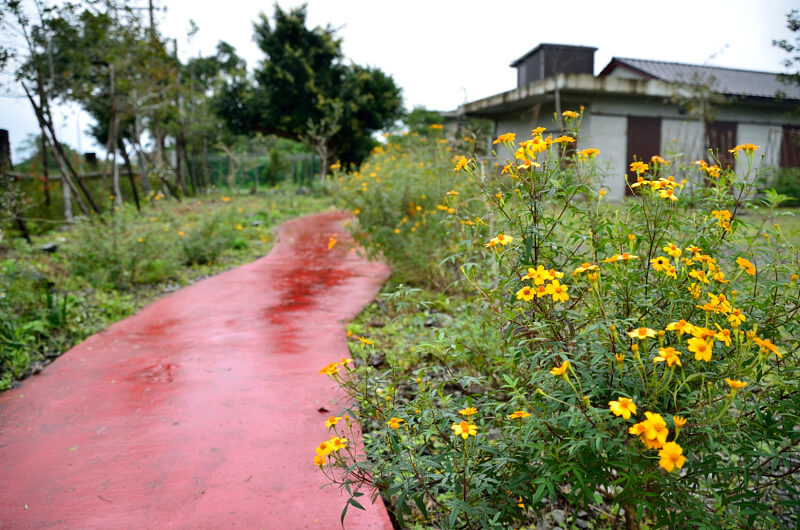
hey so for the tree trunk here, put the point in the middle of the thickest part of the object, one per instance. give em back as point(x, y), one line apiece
point(129, 170)
point(45, 170)
point(139, 154)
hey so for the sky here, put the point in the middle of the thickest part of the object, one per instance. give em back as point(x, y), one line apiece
point(443, 53)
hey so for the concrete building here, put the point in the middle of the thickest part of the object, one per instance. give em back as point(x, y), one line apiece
point(638, 108)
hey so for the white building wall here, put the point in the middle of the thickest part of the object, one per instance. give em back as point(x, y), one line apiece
point(609, 135)
point(682, 137)
point(767, 137)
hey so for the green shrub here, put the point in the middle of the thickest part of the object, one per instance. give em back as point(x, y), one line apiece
point(647, 368)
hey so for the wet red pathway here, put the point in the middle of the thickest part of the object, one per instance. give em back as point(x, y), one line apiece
point(201, 411)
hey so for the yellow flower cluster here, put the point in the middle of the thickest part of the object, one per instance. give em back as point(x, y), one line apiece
point(501, 239)
point(539, 277)
point(334, 444)
point(748, 149)
point(333, 368)
point(711, 170)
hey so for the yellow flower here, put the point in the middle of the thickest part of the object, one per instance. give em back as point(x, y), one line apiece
point(469, 411)
point(734, 384)
point(464, 429)
point(736, 317)
point(619, 357)
point(747, 148)
point(767, 346)
point(723, 335)
point(539, 275)
point(746, 266)
point(140, 240)
point(659, 263)
point(585, 267)
point(394, 423)
point(560, 370)
point(668, 355)
point(701, 349)
point(503, 138)
point(518, 414)
point(673, 250)
point(558, 291)
point(622, 407)
point(570, 114)
point(329, 369)
point(336, 443)
point(436, 126)
point(653, 430)
point(639, 166)
point(680, 421)
point(461, 164)
point(564, 139)
point(333, 420)
point(365, 342)
point(226, 199)
point(642, 333)
point(526, 293)
point(668, 193)
point(671, 456)
point(658, 160)
point(588, 153)
point(680, 326)
point(538, 131)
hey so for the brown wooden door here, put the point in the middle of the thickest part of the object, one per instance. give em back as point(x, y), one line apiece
point(790, 146)
point(644, 141)
point(721, 137)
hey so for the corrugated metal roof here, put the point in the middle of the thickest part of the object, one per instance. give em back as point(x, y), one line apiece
point(729, 81)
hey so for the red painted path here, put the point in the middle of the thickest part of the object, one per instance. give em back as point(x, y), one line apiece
point(201, 411)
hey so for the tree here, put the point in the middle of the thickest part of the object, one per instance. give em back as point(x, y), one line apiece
point(793, 49)
point(304, 91)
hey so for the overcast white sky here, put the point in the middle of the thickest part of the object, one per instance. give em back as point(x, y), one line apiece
point(445, 52)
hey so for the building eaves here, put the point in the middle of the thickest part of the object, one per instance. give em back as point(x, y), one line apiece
point(547, 44)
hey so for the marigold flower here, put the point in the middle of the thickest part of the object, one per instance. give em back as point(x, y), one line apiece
point(736, 317)
point(734, 384)
point(622, 407)
point(464, 429)
point(558, 291)
point(642, 333)
point(365, 342)
point(585, 267)
point(658, 160)
point(526, 293)
point(668, 193)
point(333, 420)
point(336, 443)
point(659, 263)
point(469, 411)
point(331, 242)
point(680, 326)
point(329, 369)
point(746, 266)
point(394, 423)
point(668, 355)
point(723, 335)
point(679, 421)
point(619, 357)
point(639, 166)
point(461, 164)
point(538, 131)
point(591, 152)
point(507, 137)
point(767, 346)
point(671, 456)
point(563, 139)
point(570, 114)
point(747, 148)
point(560, 370)
point(518, 414)
point(701, 348)
point(673, 250)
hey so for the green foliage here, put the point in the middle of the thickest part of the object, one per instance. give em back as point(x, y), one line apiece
point(786, 181)
point(303, 83)
point(412, 208)
point(587, 302)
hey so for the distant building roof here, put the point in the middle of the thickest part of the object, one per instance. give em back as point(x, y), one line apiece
point(729, 81)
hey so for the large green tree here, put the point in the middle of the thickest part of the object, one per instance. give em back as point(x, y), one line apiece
point(304, 90)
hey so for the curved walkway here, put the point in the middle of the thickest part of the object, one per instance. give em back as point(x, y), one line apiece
point(201, 411)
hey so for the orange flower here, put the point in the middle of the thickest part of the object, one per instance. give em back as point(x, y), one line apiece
point(671, 456)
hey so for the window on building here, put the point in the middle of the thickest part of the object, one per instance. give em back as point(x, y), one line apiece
point(644, 141)
point(790, 146)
